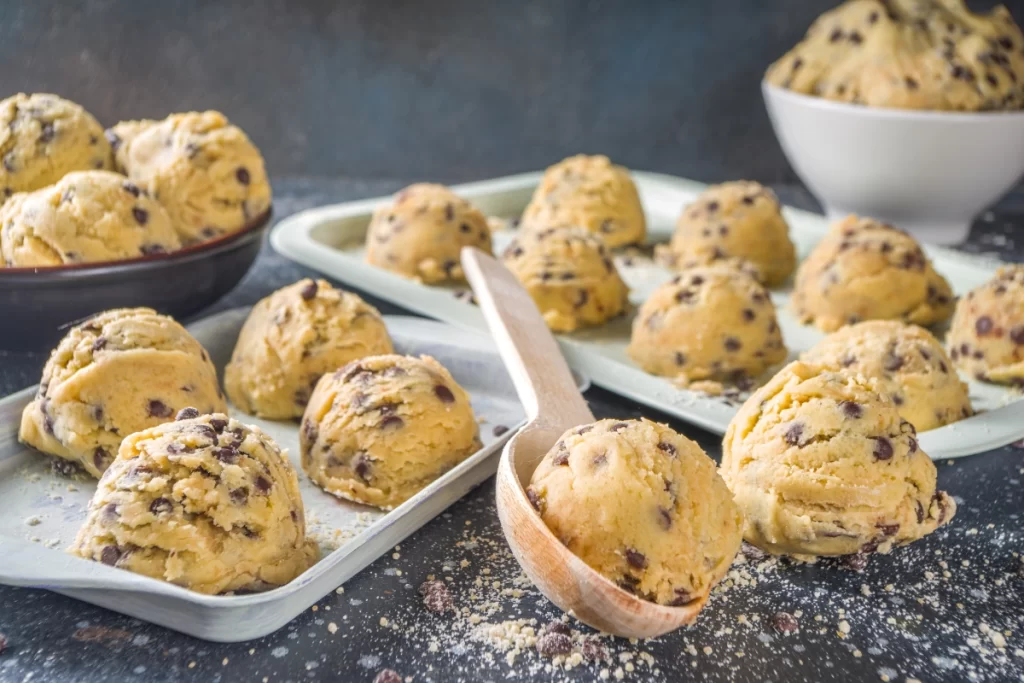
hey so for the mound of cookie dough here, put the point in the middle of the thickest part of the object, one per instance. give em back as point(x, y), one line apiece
point(707, 323)
point(642, 505)
point(588, 192)
point(291, 339)
point(570, 276)
point(42, 138)
point(866, 270)
point(909, 366)
point(738, 221)
point(986, 337)
point(118, 373)
point(820, 463)
point(421, 234)
point(204, 502)
point(205, 171)
point(87, 216)
point(381, 428)
point(909, 54)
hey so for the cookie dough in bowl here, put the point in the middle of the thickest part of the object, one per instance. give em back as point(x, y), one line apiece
point(118, 373)
point(986, 337)
point(203, 502)
point(821, 464)
point(292, 338)
point(383, 427)
point(642, 505)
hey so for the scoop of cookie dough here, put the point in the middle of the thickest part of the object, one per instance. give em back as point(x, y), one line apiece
point(986, 337)
point(711, 322)
point(205, 171)
point(42, 138)
point(866, 270)
point(204, 502)
point(87, 216)
point(592, 193)
point(740, 221)
point(570, 276)
point(820, 463)
point(909, 54)
point(909, 366)
point(381, 428)
point(642, 505)
point(292, 338)
point(118, 373)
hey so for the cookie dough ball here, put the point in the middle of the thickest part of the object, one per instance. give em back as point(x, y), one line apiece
point(909, 366)
point(42, 138)
point(292, 338)
point(570, 276)
point(592, 193)
point(711, 322)
point(642, 505)
point(908, 54)
point(866, 270)
point(381, 428)
point(120, 372)
point(739, 221)
point(821, 464)
point(204, 502)
point(205, 171)
point(86, 217)
point(986, 337)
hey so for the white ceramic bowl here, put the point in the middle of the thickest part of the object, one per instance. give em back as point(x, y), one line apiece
point(930, 173)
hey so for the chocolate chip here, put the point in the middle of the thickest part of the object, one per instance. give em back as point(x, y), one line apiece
point(205, 430)
point(583, 430)
point(392, 422)
point(152, 249)
point(732, 344)
point(160, 506)
point(218, 424)
point(534, 498)
point(157, 408)
point(436, 596)
point(65, 468)
point(784, 622)
point(593, 650)
point(680, 358)
point(835, 36)
point(1017, 334)
point(187, 414)
point(618, 426)
point(793, 433)
point(635, 558)
point(665, 518)
point(913, 445)
point(599, 460)
point(262, 484)
point(561, 458)
point(857, 561)
point(582, 298)
point(888, 529)
point(132, 189)
point(444, 394)
point(552, 643)
point(388, 676)
point(100, 456)
point(361, 466)
point(239, 495)
point(242, 174)
point(226, 455)
point(892, 362)
point(983, 325)
point(308, 291)
point(851, 410)
point(883, 448)
point(749, 314)
point(141, 215)
point(110, 511)
point(110, 555)
point(499, 430)
point(99, 344)
point(712, 206)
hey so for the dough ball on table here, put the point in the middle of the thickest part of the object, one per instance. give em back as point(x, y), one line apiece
point(570, 275)
point(421, 234)
point(87, 216)
point(739, 221)
point(821, 464)
point(588, 192)
point(642, 505)
point(909, 366)
point(986, 337)
point(123, 371)
point(382, 428)
point(42, 138)
point(866, 270)
point(292, 338)
point(204, 502)
point(205, 171)
point(707, 323)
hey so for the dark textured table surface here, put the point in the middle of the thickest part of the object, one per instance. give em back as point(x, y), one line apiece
point(950, 607)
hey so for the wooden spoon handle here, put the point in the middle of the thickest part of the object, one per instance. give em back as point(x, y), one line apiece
point(542, 378)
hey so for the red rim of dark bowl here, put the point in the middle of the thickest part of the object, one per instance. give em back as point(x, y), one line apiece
point(254, 225)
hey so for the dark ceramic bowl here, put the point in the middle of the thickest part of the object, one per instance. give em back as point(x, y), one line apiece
point(38, 305)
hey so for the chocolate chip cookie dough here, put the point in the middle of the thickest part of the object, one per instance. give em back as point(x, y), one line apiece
point(204, 502)
point(292, 338)
point(87, 216)
point(986, 337)
point(42, 138)
point(866, 270)
point(642, 505)
point(588, 192)
point(381, 428)
point(203, 169)
point(821, 464)
point(909, 54)
point(909, 366)
point(569, 274)
point(733, 222)
point(421, 234)
point(711, 322)
point(121, 372)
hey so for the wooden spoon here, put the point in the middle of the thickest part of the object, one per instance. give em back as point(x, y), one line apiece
point(553, 404)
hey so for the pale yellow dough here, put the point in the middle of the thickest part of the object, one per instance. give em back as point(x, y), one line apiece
point(986, 337)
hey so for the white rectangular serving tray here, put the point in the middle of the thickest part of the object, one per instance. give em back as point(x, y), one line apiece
point(42, 511)
point(330, 239)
